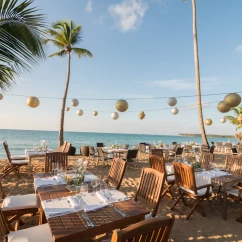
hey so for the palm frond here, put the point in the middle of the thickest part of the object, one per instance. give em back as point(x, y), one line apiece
point(232, 120)
point(7, 76)
point(54, 42)
point(239, 127)
point(76, 35)
point(82, 52)
point(61, 53)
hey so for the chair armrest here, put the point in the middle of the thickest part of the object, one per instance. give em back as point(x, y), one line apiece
point(204, 186)
point(238, 187)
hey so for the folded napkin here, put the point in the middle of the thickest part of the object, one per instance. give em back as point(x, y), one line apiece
point(93, 202)
point(59, 180)
point(57, 207)
point(74, 202)
point(118, 196)
point(40, 182)
point(89, 177)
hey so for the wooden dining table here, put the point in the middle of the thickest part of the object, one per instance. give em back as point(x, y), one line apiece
point(72, 227)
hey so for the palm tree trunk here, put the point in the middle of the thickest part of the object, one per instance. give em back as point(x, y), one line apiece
point(62, 114)
point(197, 72)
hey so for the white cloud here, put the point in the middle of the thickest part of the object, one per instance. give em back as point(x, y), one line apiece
point(239, 48)
point(128, 14)
point(175, 84)
point(88, 7)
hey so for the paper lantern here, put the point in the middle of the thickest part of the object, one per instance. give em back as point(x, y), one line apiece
point(222, 107)
point(1, 96)
point(141, 115)
point(232, 100)
point(122, 105)
point(208, 121)
point(67, 109)
point(74, 102)
point(240, 118)
point(33, 102)
point(114, 115)
point(172, 101)
point(174, 111)
point(223, 120)
point(95, 113)
point(79, 112)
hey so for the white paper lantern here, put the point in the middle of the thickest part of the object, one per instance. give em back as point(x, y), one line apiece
point(79, 112)
point(33, 102)
point(174, 111)
point(114, 115)
point(172, 101)
point(74, 102)
point(1, 96)
point(223, 120)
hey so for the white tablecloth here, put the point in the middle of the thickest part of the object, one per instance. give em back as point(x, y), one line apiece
point(29, 152)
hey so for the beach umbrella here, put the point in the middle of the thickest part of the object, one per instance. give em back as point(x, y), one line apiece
point(114, 115)
point(223, 107)
point(74, 102)
point(79, 112)
point(208, 121)
point(223, 120)
point(33, 102)
point(122, 105)
point(1, 96)
point(67, 109)
point(95, 113)
point(232, 100)
point(240, 118)
point(174, 111)
point(172, 101)
point(141, 115)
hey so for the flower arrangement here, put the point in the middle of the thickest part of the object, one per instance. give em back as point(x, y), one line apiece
point(43, 145)
point(78, 177)
point(159, 143)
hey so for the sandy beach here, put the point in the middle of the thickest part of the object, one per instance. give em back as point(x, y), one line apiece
point(197, 228)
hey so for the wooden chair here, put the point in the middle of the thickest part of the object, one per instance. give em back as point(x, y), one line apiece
point(158, 164)
point(206, 160)
point(186, 183)
point(39, 233)
point(152, 230)
point(100, 145)
point(102, 156)
point(62, 148)
point(116, 172)
point(233, 164)
point(92, 153)
point(188, 149)
point(131, 157)
point(158, 152)
point(177, 154)
point(14, 207)
point(13, 164)
point(55, 160)
point(142, 150)
point(150, 188)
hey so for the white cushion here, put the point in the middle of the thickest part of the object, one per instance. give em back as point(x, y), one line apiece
point(148, 216)
point(20, 162)
point(20, 202)
point(18, 157)
point(200, 192)
point(39, 233)
point(170, 178)
point(234, 192)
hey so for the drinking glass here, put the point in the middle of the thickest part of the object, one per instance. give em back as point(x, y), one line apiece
point(111, 191)
point(94, 184)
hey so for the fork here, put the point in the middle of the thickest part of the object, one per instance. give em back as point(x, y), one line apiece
point(87, 219)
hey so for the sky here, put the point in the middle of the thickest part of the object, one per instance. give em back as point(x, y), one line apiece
point(141, 49)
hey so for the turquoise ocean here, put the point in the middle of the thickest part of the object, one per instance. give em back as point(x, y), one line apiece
point(19, 140)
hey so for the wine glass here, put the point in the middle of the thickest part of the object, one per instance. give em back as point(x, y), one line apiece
point(111, 191)
point(94, 184)
point(104, 190)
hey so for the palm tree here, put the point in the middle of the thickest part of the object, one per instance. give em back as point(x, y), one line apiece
point(233, 120)
point(21, 36)
point(197, 72)
point(65, 36)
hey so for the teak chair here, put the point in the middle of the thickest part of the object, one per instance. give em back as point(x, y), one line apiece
point(158, 152)
point(102, 156)
point(55, 160)
point(131, 156)
point(13, 163)
point(186, 183)
point(142, 150)
point(177, 153)
point(14, 207)
point(206, 160)
point(158, 164)
point(150, 188)
point(39, 233)
point(116, 172)
point(100, 145)
point(233, 164)
point(152, 230)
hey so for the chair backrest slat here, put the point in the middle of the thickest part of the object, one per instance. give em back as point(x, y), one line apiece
point(150, 187)
point(158, 152)
point(184, 176)
point(233, 164)
point(5, 144)
point(157, 163)
point(116, 172)
point(152, 230)
point(206, 160)
point(54, 160)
